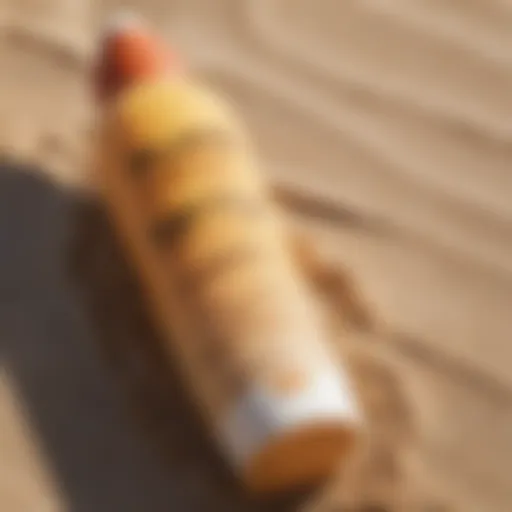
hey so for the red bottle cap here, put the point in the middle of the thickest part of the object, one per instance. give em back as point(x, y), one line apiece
point(129, 53)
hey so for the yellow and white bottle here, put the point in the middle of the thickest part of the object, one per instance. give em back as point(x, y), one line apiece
point(186, 196)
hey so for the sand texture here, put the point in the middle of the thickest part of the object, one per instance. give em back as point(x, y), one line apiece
point(386, 128)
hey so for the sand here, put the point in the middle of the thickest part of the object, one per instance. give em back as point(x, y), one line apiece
point(385, 126)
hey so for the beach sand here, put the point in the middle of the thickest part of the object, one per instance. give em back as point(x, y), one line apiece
point(386, 129)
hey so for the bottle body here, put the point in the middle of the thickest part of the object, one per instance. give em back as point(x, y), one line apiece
point(208, 244)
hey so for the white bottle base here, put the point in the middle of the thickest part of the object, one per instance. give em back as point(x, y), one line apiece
point(276, 442)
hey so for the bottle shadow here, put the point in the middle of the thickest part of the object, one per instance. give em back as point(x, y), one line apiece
point(116, 428)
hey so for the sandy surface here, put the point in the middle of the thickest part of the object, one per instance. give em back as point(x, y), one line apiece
point(387, 127)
